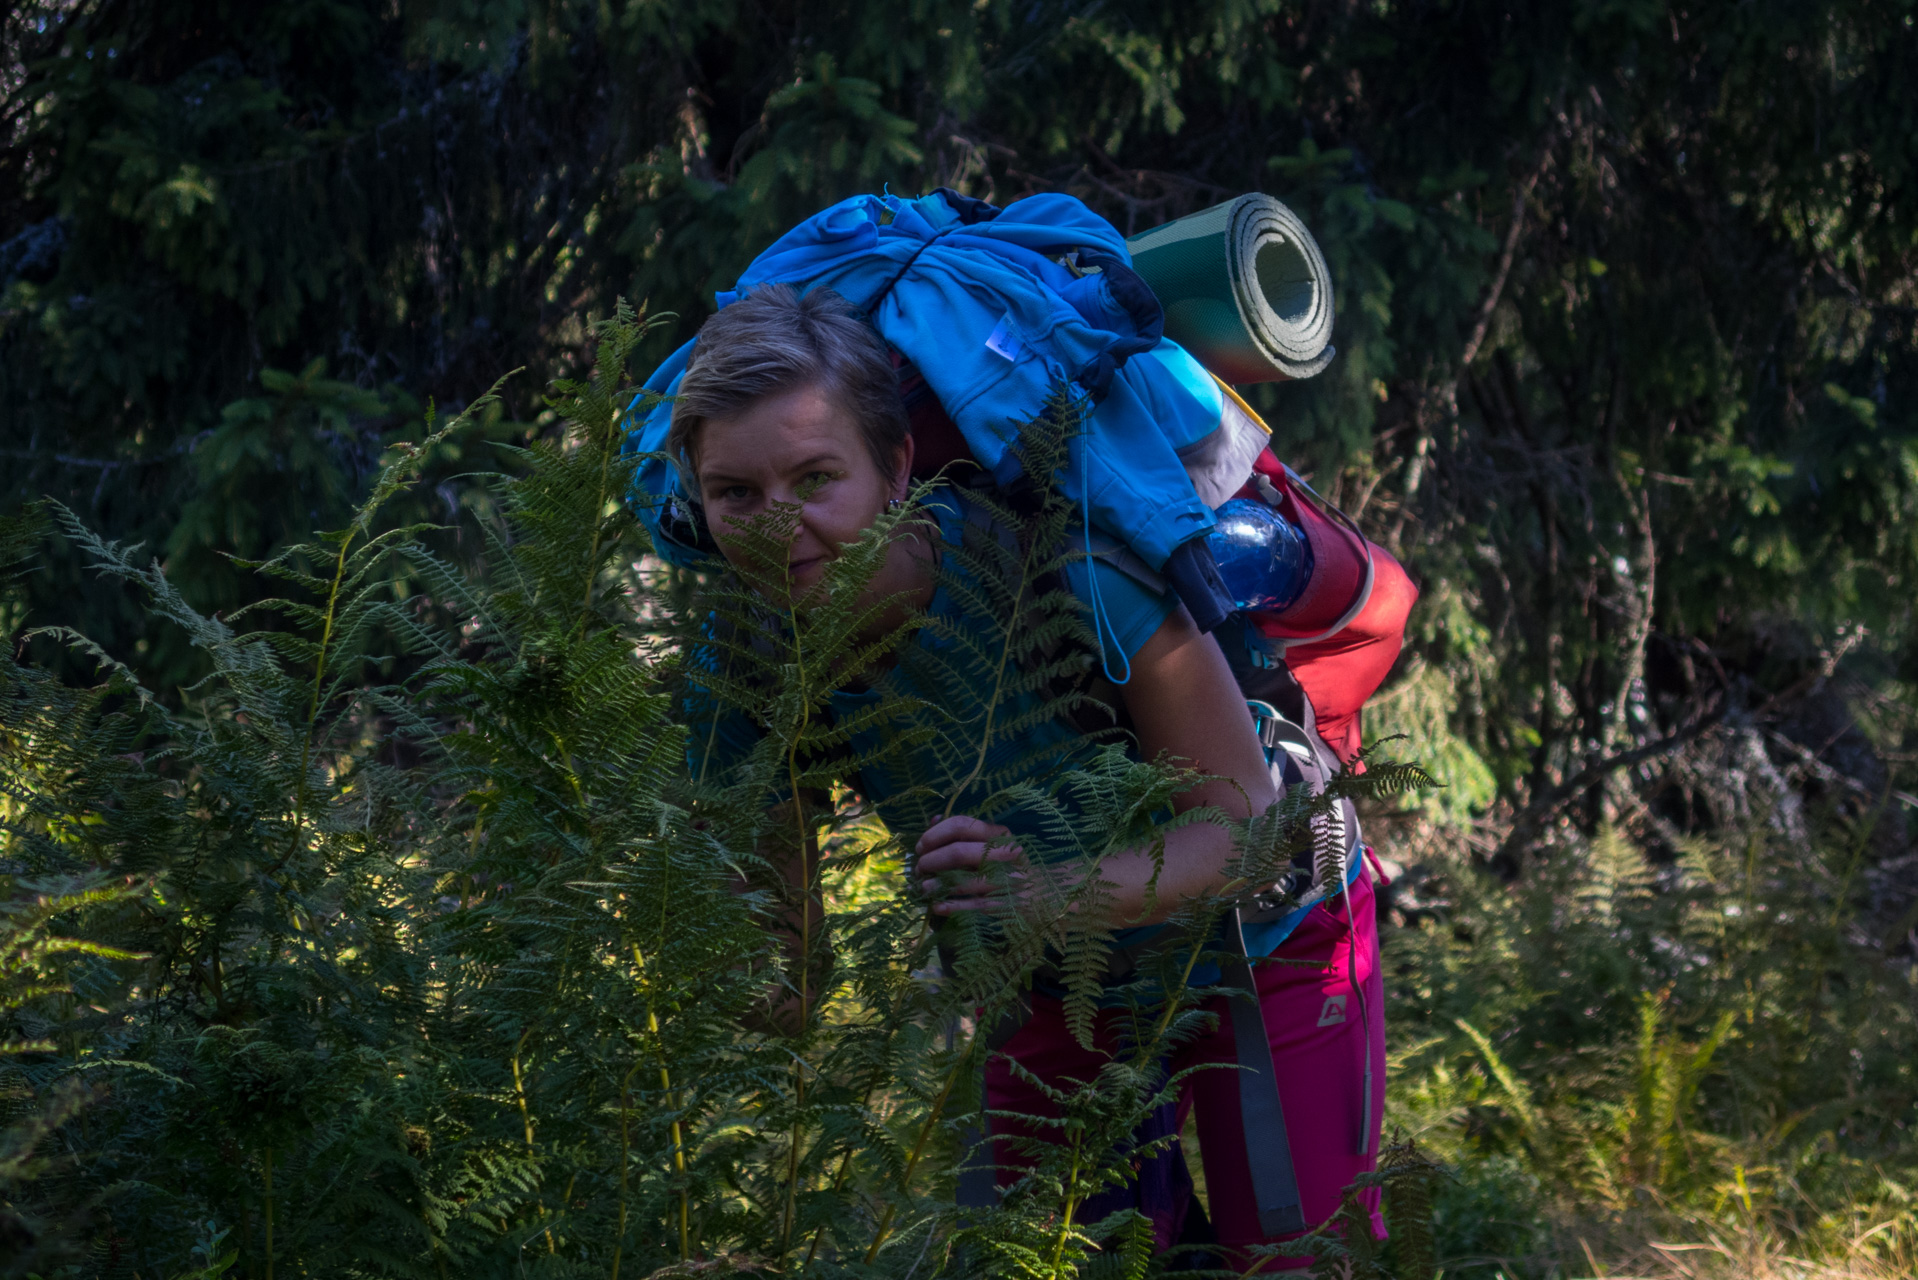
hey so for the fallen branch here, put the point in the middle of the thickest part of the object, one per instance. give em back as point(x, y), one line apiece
point(1534, 817)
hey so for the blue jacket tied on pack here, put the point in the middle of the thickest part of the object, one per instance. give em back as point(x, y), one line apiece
point(977, 299)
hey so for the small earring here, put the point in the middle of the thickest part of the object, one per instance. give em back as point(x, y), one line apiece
point(893, 504)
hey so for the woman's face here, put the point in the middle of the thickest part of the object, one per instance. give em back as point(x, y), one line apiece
point(798, 447)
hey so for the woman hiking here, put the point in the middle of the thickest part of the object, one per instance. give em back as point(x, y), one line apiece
point(795, 400)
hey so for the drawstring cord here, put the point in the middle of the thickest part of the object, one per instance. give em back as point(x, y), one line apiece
point(1101, 624)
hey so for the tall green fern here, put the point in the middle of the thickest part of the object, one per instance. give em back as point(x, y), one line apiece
point(439, 960)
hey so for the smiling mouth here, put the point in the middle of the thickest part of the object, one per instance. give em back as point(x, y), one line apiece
point(797, 567)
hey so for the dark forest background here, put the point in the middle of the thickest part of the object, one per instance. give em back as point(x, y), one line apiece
point(1625, 290)
point(1627, 376)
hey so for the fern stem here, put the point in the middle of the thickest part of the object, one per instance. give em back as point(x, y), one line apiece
point(838, 1181)
point(526, 1120)
point(679, 1137)
point(1257, 1262)
point(919, 1144)
point(805, 927)
point(998, 682)
point(599, 522)
point(1171, 1007)
point(519, 1091)
point(313, 704)
point(362, 523)
point(434, 1244)
point(625, 1155)
point(679, 1167)
point(1072, 1204)
point(685, 1201)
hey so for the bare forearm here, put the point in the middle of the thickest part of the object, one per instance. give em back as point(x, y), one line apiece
point(1187, 708)
point(1143, 885)
point(1194, 866)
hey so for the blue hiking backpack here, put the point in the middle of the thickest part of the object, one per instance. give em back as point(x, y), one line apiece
point(997, 308)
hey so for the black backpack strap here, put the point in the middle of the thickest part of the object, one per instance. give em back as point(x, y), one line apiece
point(1268, 1150)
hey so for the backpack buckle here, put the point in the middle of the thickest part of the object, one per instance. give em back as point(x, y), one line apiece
point(1276, 733)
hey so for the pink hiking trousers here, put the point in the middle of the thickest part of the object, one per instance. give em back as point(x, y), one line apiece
point(1318, 1035)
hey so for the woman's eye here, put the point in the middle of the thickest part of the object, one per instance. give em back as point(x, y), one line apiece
point(734, 493)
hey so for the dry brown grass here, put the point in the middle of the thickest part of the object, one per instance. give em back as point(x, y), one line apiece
point(1887, 1250)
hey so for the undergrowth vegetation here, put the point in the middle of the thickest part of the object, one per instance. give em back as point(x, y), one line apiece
point(410, 945)
point(1705, 1065)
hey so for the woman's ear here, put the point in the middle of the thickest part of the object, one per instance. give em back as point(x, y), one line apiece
point(902, 469)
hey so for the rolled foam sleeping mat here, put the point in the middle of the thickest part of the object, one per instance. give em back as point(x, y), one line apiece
point(1245, 289)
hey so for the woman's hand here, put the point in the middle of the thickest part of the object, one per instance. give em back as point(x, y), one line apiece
point(961, 844)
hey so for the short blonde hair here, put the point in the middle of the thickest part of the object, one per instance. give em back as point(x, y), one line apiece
point(776, 339)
